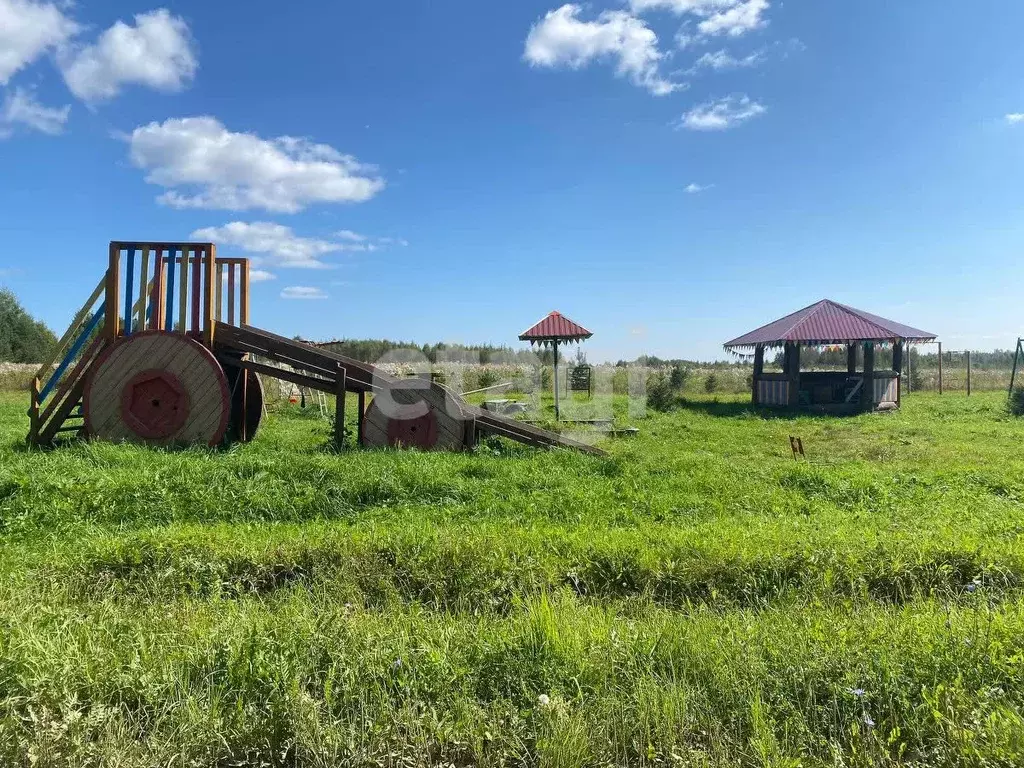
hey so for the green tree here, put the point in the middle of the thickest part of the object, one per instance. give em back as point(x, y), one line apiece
point(22, 338)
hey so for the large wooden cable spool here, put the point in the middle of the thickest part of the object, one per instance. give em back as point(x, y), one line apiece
point(157, 388)
point(246, 404)
point(416, 414)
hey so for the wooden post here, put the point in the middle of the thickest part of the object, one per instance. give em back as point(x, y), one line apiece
point(339, 407)
point(940, 367)
point(555, 347)
point(184, 282)
point(968, 373)
point(758, 371)
point(244, 294)
point(792, 364)
point(209, 320)
point(113, 289)
point(33, 414)
point(897, 367)
point(867, 398)
point(910, 369)
point(361, 404)
point(851, 359)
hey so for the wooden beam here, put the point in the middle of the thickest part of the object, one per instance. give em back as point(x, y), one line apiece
point(339, 408)
point(209, 317)
point(851, 359)
point(361, 405)
point(311, 382)
point(758, 371)
point(867, 392)
point(113, 290)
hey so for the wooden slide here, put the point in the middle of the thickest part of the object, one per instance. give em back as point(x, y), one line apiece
point(410, 412)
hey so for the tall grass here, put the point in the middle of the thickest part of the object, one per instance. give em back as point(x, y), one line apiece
point(697, 598)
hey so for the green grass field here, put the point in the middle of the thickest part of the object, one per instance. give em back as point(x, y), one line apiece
point(697, 598)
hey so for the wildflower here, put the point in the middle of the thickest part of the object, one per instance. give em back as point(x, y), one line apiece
point(971, 587)
point(543, 700)
point(397, 665)
point(868, 721)
point(858, 692)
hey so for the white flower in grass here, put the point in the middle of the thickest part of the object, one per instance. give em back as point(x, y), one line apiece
point(543, 700)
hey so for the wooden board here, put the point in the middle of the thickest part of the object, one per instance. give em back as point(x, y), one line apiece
point(415, 413)
point(189, 380)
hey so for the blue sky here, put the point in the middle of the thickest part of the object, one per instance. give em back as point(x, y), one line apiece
point(669, 173)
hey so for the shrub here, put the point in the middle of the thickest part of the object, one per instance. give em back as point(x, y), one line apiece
point(660, 394)
point(677, 377)
point(1016, 404)
point(711, 383)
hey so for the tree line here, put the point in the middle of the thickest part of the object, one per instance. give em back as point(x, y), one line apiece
point(23, 339)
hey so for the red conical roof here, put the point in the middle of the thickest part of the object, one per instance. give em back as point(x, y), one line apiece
point(555, 327)
point(828, 322)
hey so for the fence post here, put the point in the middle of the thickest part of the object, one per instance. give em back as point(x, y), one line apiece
point(940, 367)
point(113, 289)
point(33, 413)
point(339, 406)
point(968, 373)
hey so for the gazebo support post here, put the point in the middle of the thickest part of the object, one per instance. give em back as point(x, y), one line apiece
point(851, 359)
point(792, 365)
point(554, 346)
point(897, 367)
point(867, 390)
point(758, 371)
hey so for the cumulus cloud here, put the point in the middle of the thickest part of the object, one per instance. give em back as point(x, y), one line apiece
point(1015, 117)
point(157, 52)
point(276, 242)
point(721, 114)
point(722, 60)
point(679, 7)
point(28, 29)
point(694, 188)
point(303, 292)
point(261, 276)
point(562, 39)
point(221, 169)
point(21, 108)
point(737, 20)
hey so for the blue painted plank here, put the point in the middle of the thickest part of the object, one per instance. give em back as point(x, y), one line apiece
point(169, 324)
point(129, 290)
point(69, 358)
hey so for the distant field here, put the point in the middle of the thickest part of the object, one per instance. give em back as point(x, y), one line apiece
point(698, 598)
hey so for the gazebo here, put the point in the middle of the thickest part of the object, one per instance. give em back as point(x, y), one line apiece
point(551, 330)
point(829, 324)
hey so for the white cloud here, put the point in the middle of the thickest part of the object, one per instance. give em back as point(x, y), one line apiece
point(1015, 117)
point(157, 52)
point(737, 20)
point(261, 276)
point(679, 7)
point(722, 114)
point(694, 188)
point(723, 60)
point(21, 108)
point(561, 39)
point(28, 29)
point(241, 171)
point(348, 234)
point(303, 292)
point(276, 241)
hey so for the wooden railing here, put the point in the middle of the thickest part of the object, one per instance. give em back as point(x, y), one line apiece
point(181, 287)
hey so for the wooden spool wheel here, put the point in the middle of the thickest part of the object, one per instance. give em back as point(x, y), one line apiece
point(417, 414)
point(246, 404)
point(157, 388)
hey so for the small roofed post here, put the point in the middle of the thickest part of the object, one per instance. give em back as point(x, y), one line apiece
point(551, 330)
point(828, 324)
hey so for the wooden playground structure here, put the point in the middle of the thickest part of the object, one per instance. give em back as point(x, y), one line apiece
point(162, 353)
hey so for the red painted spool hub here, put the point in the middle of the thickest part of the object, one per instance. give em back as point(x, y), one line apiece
point(155, 404)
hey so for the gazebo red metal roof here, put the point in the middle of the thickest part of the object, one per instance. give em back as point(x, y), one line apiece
point(828, 322)
point(555, 327)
